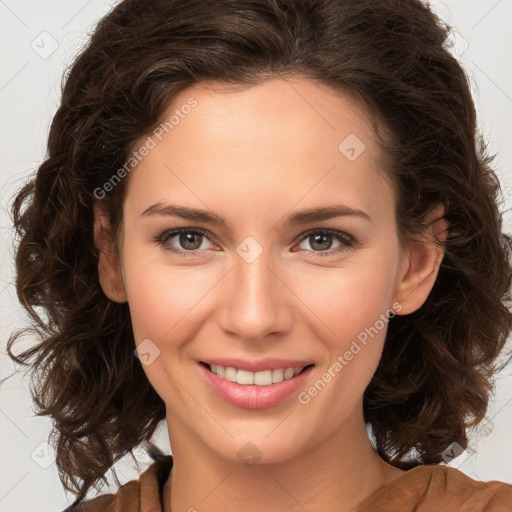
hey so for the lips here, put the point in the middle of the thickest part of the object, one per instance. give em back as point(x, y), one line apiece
point(253, 395)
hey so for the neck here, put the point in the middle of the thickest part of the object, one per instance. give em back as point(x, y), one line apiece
point(335, 474)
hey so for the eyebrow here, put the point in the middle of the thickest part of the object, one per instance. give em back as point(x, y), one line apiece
point(298, 217)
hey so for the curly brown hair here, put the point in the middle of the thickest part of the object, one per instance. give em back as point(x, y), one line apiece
point(435, 376)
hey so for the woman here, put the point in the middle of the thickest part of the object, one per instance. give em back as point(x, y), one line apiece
point(283, 210)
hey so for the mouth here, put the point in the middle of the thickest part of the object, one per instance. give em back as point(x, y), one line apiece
point(259, 378)
point(261, 389)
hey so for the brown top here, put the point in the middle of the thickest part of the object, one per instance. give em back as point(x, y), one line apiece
point(422, 489)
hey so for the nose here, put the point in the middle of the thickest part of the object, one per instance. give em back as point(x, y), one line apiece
point(256, 304)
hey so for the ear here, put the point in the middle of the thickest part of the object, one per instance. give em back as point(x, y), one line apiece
point(419, 266)
point(109, 268)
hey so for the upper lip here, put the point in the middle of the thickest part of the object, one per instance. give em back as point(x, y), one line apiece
point(257, 365)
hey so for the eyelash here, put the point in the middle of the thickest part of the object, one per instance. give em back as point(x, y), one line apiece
point(347, 241)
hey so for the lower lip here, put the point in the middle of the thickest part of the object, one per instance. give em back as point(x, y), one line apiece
point(251, 396)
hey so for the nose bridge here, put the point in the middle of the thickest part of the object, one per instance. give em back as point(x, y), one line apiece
point(255, 303)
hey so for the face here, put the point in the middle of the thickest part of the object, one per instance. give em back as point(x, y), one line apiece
point(256, 285)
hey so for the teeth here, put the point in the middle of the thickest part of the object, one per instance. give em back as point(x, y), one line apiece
point(263, 378)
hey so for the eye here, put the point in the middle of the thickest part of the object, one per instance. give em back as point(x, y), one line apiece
point(321, 241)
point(188, 239)
point(189, 242)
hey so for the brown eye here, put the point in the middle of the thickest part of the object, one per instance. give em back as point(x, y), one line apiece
point(321, 241)
point(190, 240)
point(183, 241)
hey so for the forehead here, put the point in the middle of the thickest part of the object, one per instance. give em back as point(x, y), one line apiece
point(276, 143)
point(290, 116)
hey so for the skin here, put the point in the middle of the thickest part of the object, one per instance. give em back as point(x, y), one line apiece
point(254, 156)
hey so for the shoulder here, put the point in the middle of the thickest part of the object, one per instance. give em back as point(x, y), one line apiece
point(434, 486)
point(142, 494)
point(101, 503)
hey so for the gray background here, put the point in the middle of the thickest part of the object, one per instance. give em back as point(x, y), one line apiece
point(37, 40)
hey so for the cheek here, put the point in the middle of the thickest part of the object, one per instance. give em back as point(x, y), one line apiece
point(353, 307)
point(348, 301)
point(163, 302)
point(165, 305)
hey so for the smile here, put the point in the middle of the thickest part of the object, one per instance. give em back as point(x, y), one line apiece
point(254, 390)
point(261, 378)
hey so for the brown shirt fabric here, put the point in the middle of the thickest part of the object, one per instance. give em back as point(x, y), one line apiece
point(422, 489)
